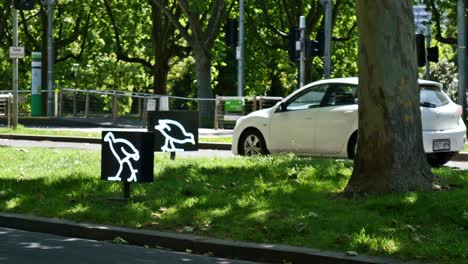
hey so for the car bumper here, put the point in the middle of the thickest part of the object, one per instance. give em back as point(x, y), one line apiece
point(456, 136)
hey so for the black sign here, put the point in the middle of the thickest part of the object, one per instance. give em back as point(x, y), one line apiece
point(174, 130)
point(127, 156)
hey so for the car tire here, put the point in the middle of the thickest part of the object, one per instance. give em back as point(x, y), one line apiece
point(252, 143)
point(439, 159)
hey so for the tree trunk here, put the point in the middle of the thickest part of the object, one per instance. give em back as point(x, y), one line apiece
point(160, 73)
point(203, 71)
point(390, 155)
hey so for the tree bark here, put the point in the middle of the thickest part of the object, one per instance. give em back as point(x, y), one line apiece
point(390, 155)
point(203, 72)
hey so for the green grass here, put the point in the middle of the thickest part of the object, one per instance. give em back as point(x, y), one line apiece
point(77, 133)
point(277, 199)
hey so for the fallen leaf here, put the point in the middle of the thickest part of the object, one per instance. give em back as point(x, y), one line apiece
point(119, 240)
point(312, 214)
point(409, 227)
point(300, 227)
point(351, 253)
point(189, 229)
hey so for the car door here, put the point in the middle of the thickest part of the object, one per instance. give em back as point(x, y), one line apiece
point(335, 118)
point(292, 127)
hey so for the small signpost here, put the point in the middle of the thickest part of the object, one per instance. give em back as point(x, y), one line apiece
point(174, 131)
point(127, 157)
point(16, 52)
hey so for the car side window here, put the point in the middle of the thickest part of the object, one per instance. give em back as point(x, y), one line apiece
point(309, 99)
point(340, 94)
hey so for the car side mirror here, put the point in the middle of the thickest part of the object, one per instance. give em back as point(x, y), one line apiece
point(282, 107)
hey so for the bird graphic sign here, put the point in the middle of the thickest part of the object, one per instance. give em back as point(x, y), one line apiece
point(174, 131)
point(127, 156)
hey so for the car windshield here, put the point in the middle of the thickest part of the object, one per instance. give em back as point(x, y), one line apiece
point(432, 96)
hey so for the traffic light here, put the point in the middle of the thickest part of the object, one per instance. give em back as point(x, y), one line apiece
point(320, 38)
point(24, 4)
point(294, 36)
point(420, 50)
point(433, 54)
point(231, 33)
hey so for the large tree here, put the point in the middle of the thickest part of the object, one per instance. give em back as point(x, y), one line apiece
point(199, 24)
point(390, 155)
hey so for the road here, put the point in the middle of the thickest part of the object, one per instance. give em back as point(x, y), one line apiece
point(200, 153)
point(18, 247)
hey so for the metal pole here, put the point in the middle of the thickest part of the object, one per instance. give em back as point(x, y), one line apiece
point(15, 70)
point(302, 27)
point(428, 45)
point(240, 51)
point(50, 58)
point(327, 38)
point(462, 56)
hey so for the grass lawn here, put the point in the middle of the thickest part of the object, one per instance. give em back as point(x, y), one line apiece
point(277, 199)
point(79, 133)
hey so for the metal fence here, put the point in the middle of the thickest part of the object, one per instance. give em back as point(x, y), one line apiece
point(112, 104)
point(6, 107)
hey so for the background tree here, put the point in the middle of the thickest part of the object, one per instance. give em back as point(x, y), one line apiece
point(203, 24)
point(390, 155)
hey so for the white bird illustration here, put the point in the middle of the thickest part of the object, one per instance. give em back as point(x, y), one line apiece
point(165, 126)
point(123, 155)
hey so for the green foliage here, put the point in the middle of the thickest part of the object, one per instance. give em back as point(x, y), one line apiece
point(84, 36)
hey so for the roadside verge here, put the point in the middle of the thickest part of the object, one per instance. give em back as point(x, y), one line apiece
point(271, 253)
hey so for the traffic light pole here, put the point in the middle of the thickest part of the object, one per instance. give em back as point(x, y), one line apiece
point(327, 38)
point(428, 45)
point(15, 69)
point(302, 27)
point(240, 52)
point(462, 56)
point(50, 58)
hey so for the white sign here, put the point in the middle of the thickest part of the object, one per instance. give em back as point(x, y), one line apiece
point(16, 52)
point(421, 17)
point(151, 105)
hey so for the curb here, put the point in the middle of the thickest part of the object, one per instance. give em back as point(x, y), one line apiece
point(182, 242)
point(201, 145)
point(461, 156)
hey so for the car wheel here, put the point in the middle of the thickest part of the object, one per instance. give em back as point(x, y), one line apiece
point(252, 143)
point(439, 159)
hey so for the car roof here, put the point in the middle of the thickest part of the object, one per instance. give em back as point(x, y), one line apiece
point(353, 81)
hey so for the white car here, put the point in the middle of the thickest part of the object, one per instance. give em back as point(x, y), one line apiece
point(321, 119)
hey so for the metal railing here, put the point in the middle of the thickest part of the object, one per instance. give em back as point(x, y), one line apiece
point(113, 104)
point(6, 101)
point(227, 115)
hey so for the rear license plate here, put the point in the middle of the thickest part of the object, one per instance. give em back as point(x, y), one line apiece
point(441, 144)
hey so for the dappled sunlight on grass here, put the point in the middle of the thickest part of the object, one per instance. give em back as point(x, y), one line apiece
point(274, 199)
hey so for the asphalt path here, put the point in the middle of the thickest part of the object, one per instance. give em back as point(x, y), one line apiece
point(88, 146)
point(18, 247)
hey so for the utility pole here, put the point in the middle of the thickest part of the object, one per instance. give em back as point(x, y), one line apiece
point(302, 27)
point(462, 56)
point(327, 38)
point(15, 69)
point(240, 51)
